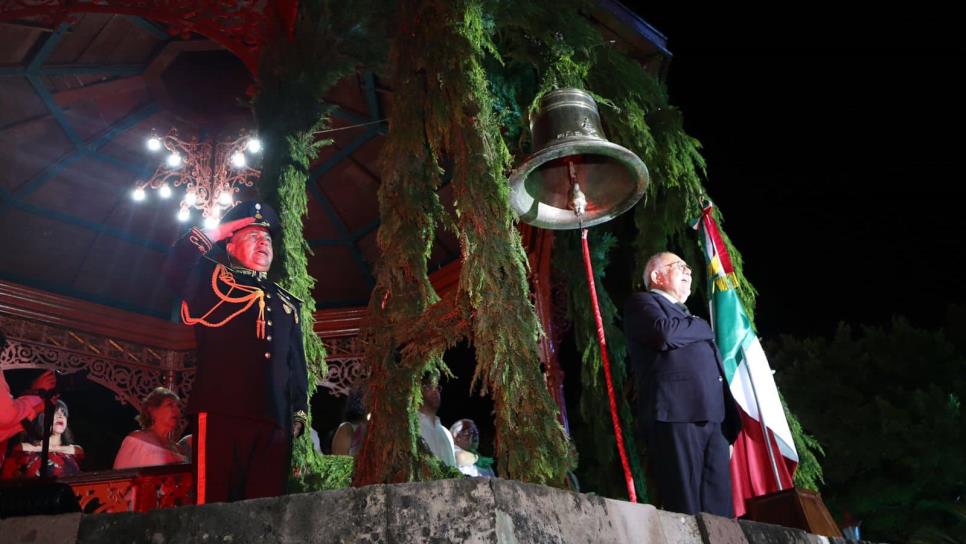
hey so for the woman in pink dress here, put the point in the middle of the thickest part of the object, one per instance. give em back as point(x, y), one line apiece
point(155, 443)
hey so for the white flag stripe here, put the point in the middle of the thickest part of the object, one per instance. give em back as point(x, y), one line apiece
point(755, 362)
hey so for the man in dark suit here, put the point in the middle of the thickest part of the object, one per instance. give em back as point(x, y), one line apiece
point(684, 407)
point(250, 389)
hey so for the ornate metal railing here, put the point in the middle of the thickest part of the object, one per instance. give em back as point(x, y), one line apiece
point(133, 490)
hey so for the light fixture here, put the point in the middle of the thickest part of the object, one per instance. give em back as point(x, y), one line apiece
point(238, 159)
point(210, 171)
point(174, 160)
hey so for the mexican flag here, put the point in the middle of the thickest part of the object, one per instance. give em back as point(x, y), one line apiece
point(757, 464)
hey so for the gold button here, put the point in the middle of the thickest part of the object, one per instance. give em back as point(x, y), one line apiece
point(268, 295)
point(268, 355)
point(269, 322)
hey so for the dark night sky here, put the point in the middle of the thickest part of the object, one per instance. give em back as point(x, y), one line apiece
point(833, 146)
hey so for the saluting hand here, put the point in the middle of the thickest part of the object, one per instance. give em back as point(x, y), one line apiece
point(225, 230)
point(45, 381)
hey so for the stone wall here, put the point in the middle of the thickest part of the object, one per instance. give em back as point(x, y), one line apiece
point(469, 510)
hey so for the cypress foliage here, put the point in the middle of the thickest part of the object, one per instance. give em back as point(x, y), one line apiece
point(530, 445)
point(444, 109)
point(296, 72)
point(410, 212)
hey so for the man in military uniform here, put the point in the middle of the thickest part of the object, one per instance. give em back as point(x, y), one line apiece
point(250, 389)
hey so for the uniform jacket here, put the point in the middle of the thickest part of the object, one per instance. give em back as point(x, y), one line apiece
point(240, 374)
point(676, 365)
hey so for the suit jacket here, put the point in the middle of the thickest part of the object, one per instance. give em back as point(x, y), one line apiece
point(676, 365)
point(239, 373)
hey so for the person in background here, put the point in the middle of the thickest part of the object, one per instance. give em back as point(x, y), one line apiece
point(466, 437)
point(436, 437)
point(64, 455)
point(14, 412)
point(155, 443)
point(352, 431)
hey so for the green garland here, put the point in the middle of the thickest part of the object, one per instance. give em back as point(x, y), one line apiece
point(531, 445)
point(295, 74)
point(444, 109)
point(410, 212)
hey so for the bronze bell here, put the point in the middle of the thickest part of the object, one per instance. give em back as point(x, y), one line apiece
point(574, 161)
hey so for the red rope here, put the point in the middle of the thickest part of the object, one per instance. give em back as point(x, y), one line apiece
point(618, 435)
point(202, 458)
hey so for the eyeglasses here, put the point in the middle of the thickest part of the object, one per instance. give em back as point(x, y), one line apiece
point(680, 265)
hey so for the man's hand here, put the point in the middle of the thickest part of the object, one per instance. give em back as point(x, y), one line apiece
point(226, 230)
point(44, 382)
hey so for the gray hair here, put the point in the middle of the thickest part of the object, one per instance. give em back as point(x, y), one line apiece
point(653, 264)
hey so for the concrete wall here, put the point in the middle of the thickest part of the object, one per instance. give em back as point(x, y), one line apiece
point(469, 510)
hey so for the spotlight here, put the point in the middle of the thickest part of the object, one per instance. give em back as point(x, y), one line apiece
point(154, 144)
point(225, 198)
point(165, 191)
point(174, 160)
point(190, 198)
point(138, 194)
point(254, 145)
point(211, 222)
point(183, 215)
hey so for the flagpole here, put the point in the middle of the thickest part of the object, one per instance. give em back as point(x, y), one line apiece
point(761, 421)
point(706, 219)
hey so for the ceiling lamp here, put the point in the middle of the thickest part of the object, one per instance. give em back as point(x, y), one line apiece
point(209, 172)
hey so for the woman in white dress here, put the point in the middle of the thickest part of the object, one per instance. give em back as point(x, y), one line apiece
point(155, 443)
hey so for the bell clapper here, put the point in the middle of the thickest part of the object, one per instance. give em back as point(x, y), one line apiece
point(578, 201)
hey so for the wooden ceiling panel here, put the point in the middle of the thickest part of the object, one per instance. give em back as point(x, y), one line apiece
point(89, 188)
point(30, 150)
point(92, 118)
point(42, 251)
point(77, 38)
point(19, 40)
point(121, 41)
point(340, 278)
point(348, 95)
point(317, 225)
point(114, 270)
point(18, 102)
point(352, 194)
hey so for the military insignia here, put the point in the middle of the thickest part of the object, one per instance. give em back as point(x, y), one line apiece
point(258, 211)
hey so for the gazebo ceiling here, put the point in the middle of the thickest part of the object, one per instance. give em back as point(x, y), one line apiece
point(77, 103)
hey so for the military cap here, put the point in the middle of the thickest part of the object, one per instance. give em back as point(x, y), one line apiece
point(264, 215)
